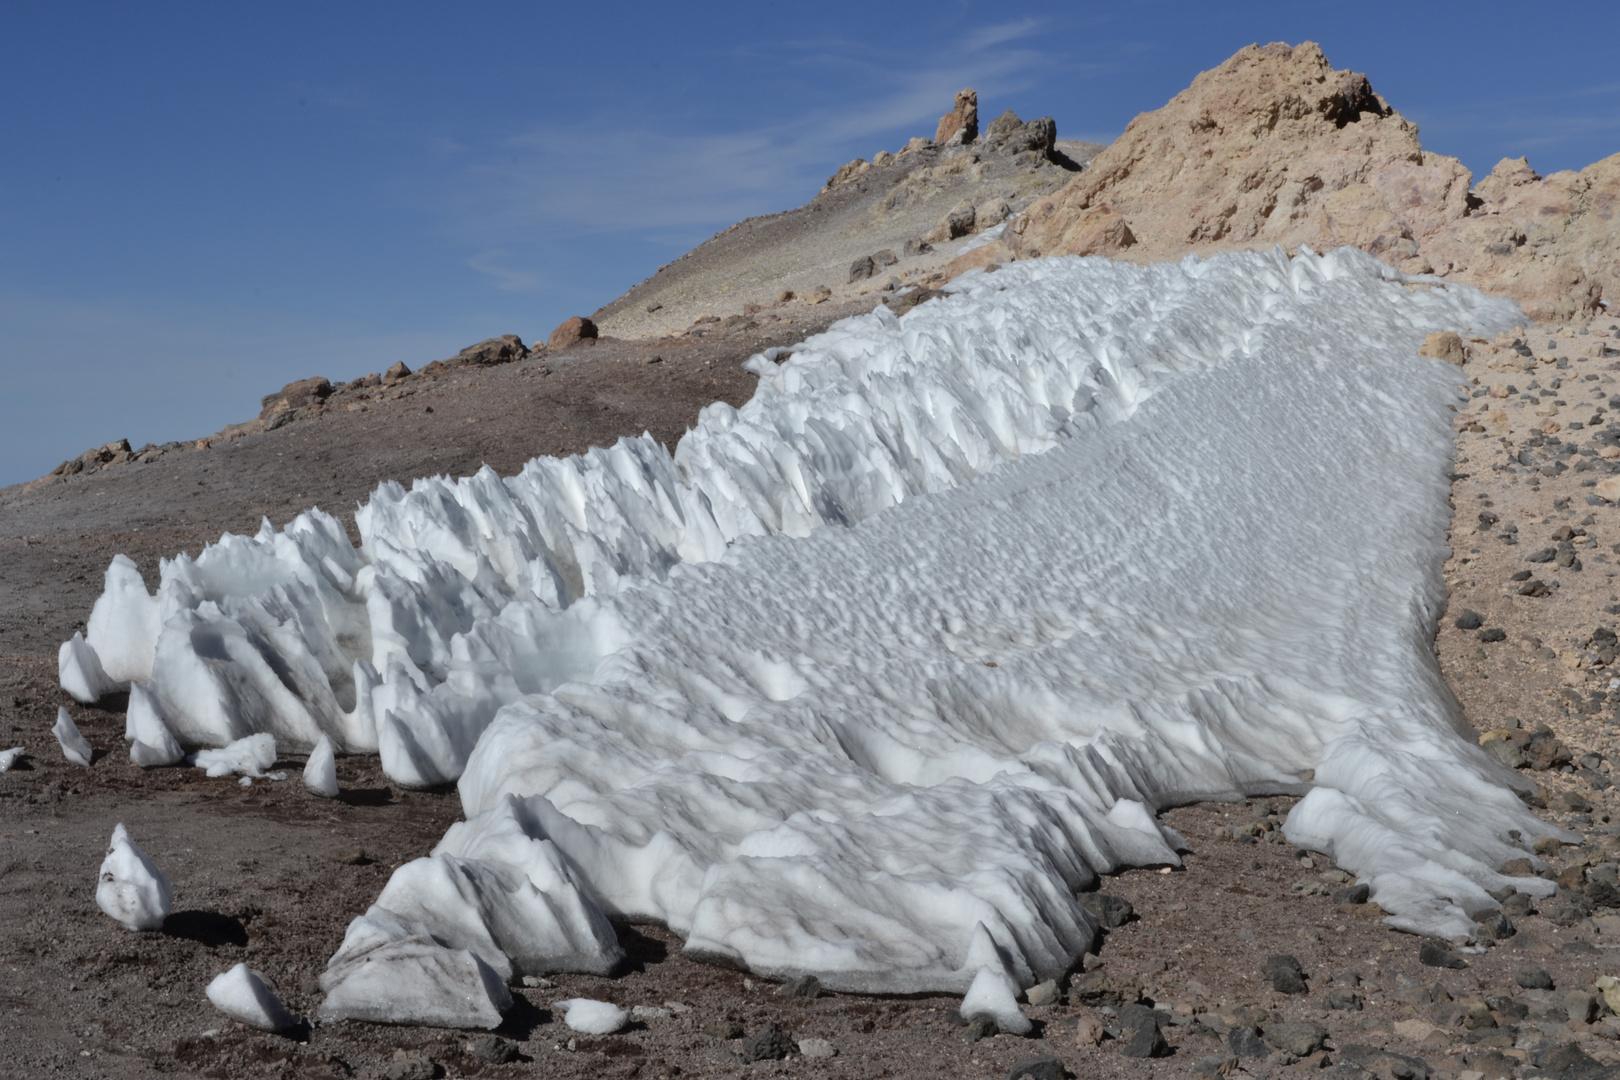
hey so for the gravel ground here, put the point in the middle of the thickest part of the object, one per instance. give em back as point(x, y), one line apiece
point(270, 875)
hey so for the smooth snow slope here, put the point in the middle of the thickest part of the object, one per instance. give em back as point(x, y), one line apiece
point(1149, 534)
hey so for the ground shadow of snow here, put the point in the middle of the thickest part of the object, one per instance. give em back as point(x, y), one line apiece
point(206, 928)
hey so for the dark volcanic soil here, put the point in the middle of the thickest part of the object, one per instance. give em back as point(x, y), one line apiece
point(268, 874)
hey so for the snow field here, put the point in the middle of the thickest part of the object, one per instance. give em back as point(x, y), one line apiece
point(1107, 538)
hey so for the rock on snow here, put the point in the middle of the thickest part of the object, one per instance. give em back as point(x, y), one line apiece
point(132, 890)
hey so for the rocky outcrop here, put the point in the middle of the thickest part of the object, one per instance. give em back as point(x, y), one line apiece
point(961, 124)
point(495, 350)
point(1276, 147)
point(575, 331)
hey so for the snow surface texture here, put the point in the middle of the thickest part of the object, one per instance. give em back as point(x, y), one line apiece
point(1114, 537)
point(131, 889)
point(241, 994)
point(592, 1017)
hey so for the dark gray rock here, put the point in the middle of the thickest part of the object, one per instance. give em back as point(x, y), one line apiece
point(1044, 1067)
point(1216, 1065)
point(1497, 927)
point(1246, 1042)
point(492, 1049)
point(805, 986)
point(1287, 977)
point(495, 350)
point(917, 247)
point(862, 268)
point(1543, 555)
point(1493, 633)
point(1352, 894)
point(1344, 997)
point(1435, 954)
point(1569, 1060)
point(1109, 911)
point(1386, 1062)
point(885, 257)
point(769, 1043)
point(980, 1027)
point(1148, 1042)
point(1470, 620)
point(1297, 1037)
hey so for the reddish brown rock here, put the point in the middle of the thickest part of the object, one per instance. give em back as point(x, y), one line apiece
point(495, 350)
point(962, 122)
point(574, 331)
point(1275, 147)
point(305, 392)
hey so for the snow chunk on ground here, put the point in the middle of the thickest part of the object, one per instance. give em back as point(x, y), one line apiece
point(390, 973)
point(8, 758)
point(250, 756)
point(994, 994)
point(74, 745)
point(592, 1017)
point(132, 890)
point(241, 994)
point(320, 771)
point(152, 743)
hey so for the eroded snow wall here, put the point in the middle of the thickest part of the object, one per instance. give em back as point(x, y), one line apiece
point(887, 754)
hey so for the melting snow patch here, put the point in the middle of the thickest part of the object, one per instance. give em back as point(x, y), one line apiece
point(74, 745)
point(131, 889)
point(241, 994)
point(393, 974)
point(868, 677)
point(592, 1017)
point(249, 756)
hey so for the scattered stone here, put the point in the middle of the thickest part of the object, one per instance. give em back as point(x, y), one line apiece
point(1493, 633)
point(1287, 977)
point(959, 222)
point(495, 350)
point(1535, 587)
point(862, 268)
point(1435, 954)
point(820, 294)
point(1470, 620)
point(1297, 1037)
point(1497, 927)
point(1088, 1031)
point(1359, 893)
point(348, 856)
point(1344, 997)
point(980, 1027)
point(574, 331)
point(1444, 345)
point(817, 1048)
point(1386, 1062)
point(1543, 751)
point(536, 982)
point(1581, 1007)
point(805, 986)
point(654, 306)
point(1046, 993)
point(1109, 911)
point(1044, 1067)
point(906, 301)
point(650, 1012)
point(1246, 1042)
point(1569, 1059)
point(724, 1029)
point(917, 247)
point(1216, 1065)
point(1104, 987)
point(769, 1043)
point(410, 1065)
point(492, 1049)
point(1148, 1042)
point(396, 372)
point(886, 257)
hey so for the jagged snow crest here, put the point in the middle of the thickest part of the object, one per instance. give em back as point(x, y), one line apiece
point(1114, 537)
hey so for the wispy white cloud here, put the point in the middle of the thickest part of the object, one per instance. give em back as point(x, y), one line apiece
point(555, 184)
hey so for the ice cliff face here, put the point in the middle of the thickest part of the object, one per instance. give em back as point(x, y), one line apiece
point(870, 675)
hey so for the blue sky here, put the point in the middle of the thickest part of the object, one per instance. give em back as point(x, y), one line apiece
point(200, 204)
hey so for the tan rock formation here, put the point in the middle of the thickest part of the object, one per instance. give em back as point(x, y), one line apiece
point(962, 122)
point(1276, 147)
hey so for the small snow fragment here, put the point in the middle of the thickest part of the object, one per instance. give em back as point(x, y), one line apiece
point(153, 744)
point(8, 758)
point(246, 781)
point(132, 890)
point(79, 671)
point(278, 777)
point(592, 1017)
point(249, 756)
point(74, 746)
point(241, 994)
point(320, 771)
point(995, 995)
